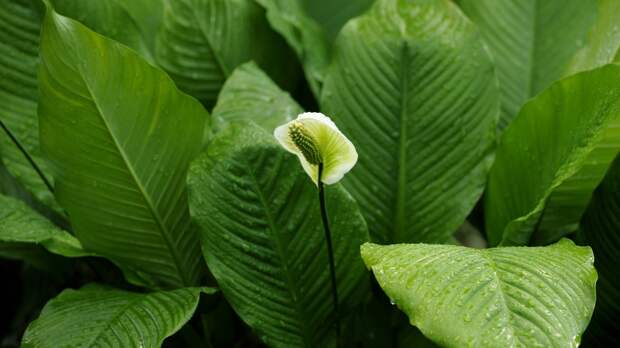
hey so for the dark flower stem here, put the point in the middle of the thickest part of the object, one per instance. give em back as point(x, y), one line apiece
point(330, 252)
point(25, 153)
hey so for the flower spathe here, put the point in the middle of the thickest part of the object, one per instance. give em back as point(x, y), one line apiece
point(315, 139)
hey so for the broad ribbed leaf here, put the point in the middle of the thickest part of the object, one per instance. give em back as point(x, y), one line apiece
point(532, 41)
point(120, 136)
point(19, 45)
point(250, 95)
point(603, 42)
point(8, 185)
point(148, 17)
point(303, 34)
point(26, 235)
point(21, 224)
point(413, 88)
point(118, 19)
point(551, 158)
point(600, 229)
point(502, 297)
point(333, 14)
point(264, 242)
point(203, 41)
point(98, 316)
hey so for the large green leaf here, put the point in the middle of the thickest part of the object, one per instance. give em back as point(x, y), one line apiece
point(263, 239)
point(148, 17)
point(532, 42)
point(19, 45)
point(98, 316)
point(600, 229)
point(413, 88)
point(249, 94)
point(304, 35)
point(333, 14)
point(603, 43)
point(502, 297)
point(22, 225)
point(120, 147)
point(131, 23)
point(11, 187)
point(202, 41)
point(551, 158)
point(26, 235)
point(120, 20)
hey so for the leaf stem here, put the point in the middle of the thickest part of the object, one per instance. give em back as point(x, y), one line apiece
point(330, 251)
point(25, 153)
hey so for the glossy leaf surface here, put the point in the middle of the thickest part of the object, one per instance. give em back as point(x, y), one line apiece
point(413, 88)
point(250, 95)
point(203, 41)
point(98, 316)
point(307, 39)
point(552, 157)
point(19, 44)
point(21, 224)
point(334, 14)
point(120, 147)
point(501, 297)
point(535, 43)
point(263, 239)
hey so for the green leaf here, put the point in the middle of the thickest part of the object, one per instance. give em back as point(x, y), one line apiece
point(27, 236)
point(19, 44)
point(120, 147)
point(413, 88)
point(20, 224)
point(98, 316)
point(502, 297)
point(600, 229)
point(264, 242)
point(551, 158)
point(203, 41)
point(113, 19)
point(250, 95)
point(534, 42)
point(333, 14)
point(33, 255)
point(603, 43)
point(148, 17)
point(303, 34)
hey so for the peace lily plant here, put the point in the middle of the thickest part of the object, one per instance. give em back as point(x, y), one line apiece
point(326, 155)
point(159, 176)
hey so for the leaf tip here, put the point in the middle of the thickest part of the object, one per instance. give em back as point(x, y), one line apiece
point(369, 255)
point(49, 7)
point(209, 290)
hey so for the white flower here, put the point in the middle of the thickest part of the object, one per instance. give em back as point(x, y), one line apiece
point(315, 139)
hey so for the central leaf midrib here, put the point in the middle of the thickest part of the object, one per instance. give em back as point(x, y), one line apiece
point(402, 142)
point(147, 198)
point(492, 267)
point(218, 61)
point(109, 323)
point(280, 251)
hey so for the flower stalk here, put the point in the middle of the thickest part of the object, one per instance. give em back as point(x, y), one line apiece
point(330, 252)
point(317, 142)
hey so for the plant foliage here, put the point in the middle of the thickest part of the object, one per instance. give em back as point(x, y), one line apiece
point(139, 170)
